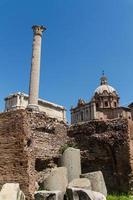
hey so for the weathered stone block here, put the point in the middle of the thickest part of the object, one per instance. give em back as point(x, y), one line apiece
point(71, 160)
point(80, 183)
point(57, 180)
point(82, 194)
point(48, 195)
point(11, 191)
point(97, 181)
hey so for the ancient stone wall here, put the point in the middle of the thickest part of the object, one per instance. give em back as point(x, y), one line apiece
point(48, 136)
point(130, 142)
point(30, 146)
point(13, 156)
point(106, 146)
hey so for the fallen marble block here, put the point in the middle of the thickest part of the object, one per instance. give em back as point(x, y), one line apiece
point(97, 181)
point(80, 183)
point(48, 195)
point(57, 180)
point(11, 191)
point(82, 194)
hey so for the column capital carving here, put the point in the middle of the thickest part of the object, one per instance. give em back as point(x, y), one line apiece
point(37, 30)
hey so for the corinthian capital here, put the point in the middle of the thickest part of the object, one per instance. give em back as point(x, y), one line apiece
point(37, 30)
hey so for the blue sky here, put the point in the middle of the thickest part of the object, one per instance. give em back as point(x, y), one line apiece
point(83, 37)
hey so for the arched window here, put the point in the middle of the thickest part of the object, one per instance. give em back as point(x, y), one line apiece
point(97, 105)
point(115, 104)
point(82, 116)
point(106, 103)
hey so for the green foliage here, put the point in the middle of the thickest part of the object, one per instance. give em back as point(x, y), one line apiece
point(67, 145)
point(41, 186)
point(119, 197)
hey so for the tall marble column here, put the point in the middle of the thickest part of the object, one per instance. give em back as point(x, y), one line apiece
point(35, 67)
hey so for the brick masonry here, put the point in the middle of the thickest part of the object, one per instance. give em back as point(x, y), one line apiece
point(29, 146)
point(107, 146)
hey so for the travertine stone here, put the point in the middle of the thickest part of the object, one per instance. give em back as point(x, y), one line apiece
point(80, 183)
point(82, 194)
point(35, 67)
point(11, 191)
point(19, 100)
point(57, 180)
point(48, 195)
point(97, 181)
point(71, 160)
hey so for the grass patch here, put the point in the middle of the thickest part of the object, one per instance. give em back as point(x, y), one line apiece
point(119, 197)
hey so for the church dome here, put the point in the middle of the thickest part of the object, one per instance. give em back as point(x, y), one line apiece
point(104, 87)
point(105, 96)
point(107, 88)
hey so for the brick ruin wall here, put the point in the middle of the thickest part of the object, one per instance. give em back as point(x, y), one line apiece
point(13, 148)
point(106, 146)
point(30, 146)
point(47, 138)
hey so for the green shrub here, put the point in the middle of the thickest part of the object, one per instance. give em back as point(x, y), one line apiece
point(67, 145)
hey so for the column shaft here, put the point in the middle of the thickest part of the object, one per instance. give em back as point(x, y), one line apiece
point(35, 67)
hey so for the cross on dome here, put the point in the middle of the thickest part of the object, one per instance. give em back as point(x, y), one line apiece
point(104, 80)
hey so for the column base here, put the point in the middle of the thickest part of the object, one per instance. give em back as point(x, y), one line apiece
point(33, 107)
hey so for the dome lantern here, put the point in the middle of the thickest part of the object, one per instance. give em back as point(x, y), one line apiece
point(104, 80)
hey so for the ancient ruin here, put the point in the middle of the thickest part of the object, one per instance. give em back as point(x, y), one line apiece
point(42, 157)
point(106, 146)
point(19, 101)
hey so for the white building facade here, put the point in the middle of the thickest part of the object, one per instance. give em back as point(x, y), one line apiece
point(20, 101)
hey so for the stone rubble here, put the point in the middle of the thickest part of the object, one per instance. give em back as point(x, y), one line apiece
point(57, 187)
point(97, 181)
point(48, 195)
point(82, 194)
point(77, 189)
